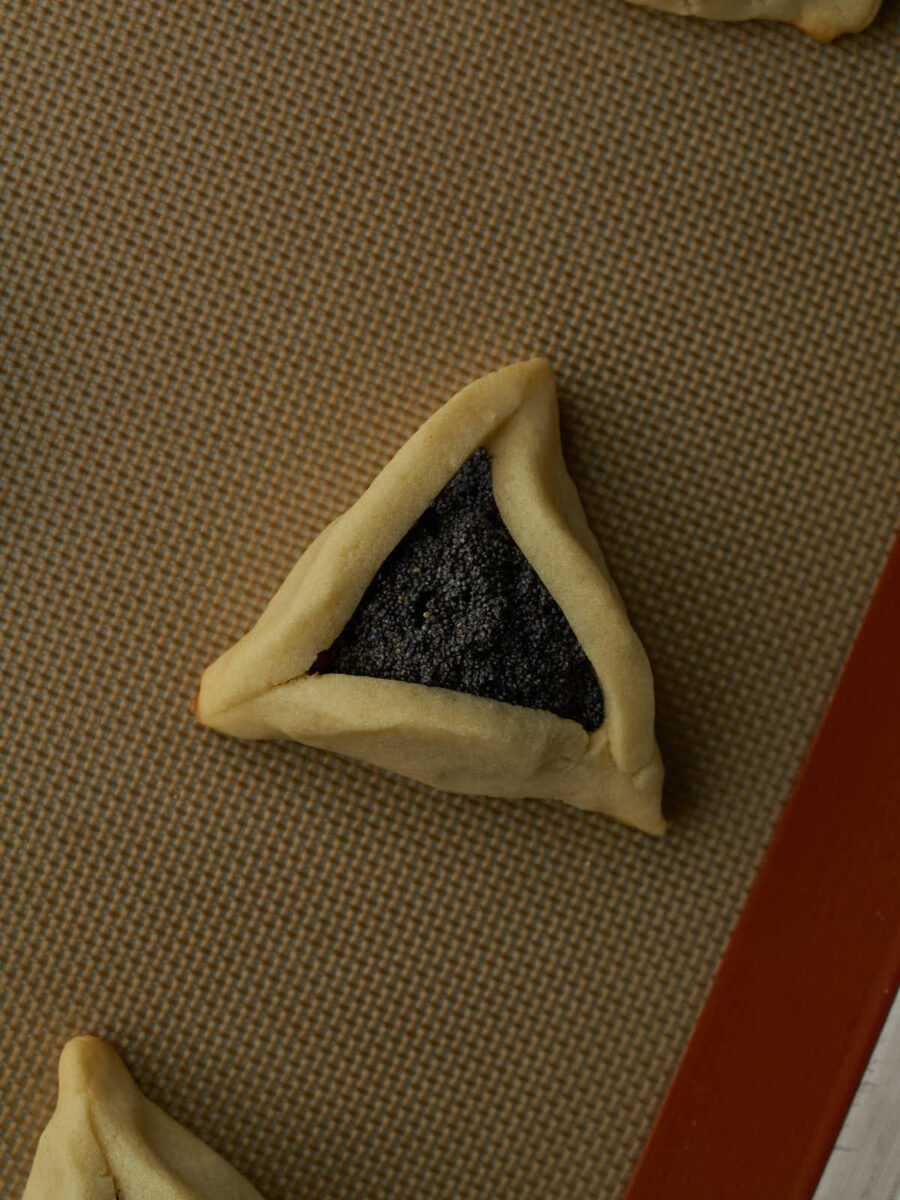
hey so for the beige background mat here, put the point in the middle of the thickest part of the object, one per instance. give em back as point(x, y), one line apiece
point(246, 248)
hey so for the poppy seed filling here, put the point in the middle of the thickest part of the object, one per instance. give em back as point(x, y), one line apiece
point(457, 605)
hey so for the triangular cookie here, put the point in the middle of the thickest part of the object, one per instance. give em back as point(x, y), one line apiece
point(106, 1141)
point(822, 19)
point(281, 679)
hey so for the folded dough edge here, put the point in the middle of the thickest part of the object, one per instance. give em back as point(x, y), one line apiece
point(107, 1141)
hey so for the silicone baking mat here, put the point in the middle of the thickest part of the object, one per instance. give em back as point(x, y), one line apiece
point(812, 967)
point(246, 248)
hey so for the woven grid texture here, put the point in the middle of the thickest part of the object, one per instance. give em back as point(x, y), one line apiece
point(246, 249)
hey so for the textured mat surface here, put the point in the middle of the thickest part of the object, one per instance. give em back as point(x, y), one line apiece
point(245, 250)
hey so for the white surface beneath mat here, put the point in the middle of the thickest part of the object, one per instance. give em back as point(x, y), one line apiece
point(865, 1162)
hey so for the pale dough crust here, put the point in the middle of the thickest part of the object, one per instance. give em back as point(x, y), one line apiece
point(822, 19)
point(260, 687)
point(106, 1141)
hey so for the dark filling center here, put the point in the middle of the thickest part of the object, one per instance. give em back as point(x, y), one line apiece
point(457, 605)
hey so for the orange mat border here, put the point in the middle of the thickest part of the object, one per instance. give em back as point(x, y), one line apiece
point(810, 971)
